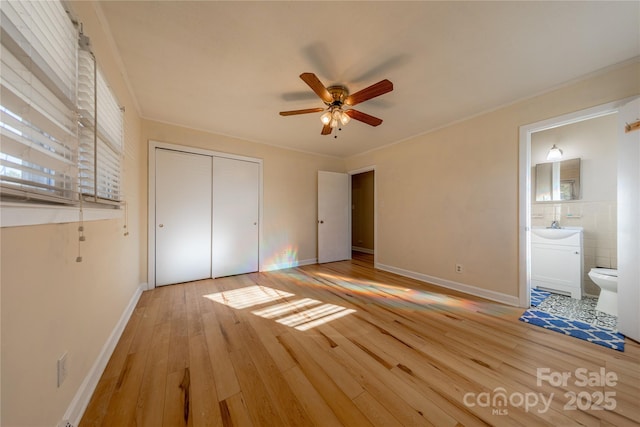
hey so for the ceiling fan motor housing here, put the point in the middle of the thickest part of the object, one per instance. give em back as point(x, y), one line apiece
point(339, 94)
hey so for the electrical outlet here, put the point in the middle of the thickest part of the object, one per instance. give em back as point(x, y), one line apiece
point(62, 368)
point(459, 268)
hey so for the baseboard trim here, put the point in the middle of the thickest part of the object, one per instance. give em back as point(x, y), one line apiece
point(288, 264)
point(450, 284)
point(363, 250)
point(81, 399)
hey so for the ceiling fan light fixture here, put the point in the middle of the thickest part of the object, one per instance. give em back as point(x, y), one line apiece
point(334, 116)
point(344, 118)
point(325, 118)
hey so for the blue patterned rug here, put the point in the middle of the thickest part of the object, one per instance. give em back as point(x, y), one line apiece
point(538, 296)
point(592, 332)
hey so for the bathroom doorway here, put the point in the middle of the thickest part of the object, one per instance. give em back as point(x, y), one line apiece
point(585, 188)
point(363, 236)
point(593, 136)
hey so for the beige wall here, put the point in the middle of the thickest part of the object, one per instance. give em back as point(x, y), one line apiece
point(451, 196)
point(362, 210)
point(50, 303)
point(595, 143)
point(290, 185)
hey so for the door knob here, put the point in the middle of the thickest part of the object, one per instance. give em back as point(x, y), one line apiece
point(321, 222)
point(160, 225)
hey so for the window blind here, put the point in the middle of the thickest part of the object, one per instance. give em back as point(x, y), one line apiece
point(109, 142)
point(101, 129)
point(87, 117)
point(38, 125)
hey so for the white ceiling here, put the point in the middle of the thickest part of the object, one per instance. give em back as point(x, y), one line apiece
point(230, 67)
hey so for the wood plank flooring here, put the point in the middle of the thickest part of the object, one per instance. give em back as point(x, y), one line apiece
point(343, 344)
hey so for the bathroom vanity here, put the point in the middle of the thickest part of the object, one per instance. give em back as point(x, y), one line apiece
point(557, 260)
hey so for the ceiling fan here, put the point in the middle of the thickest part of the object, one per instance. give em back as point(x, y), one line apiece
point(336, 98)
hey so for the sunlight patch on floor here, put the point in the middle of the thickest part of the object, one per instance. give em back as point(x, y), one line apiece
point(284, 308)
point(302, 314)
point(248, 297)
point(314, 316)
point(322, 320)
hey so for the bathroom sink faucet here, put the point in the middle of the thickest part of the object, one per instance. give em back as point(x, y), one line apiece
point(555, 224)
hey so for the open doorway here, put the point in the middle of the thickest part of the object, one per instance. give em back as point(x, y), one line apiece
point(535, 213)
point(597, 216)
point(363, 215)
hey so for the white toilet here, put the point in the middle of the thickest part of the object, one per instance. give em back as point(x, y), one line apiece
point(607, 280)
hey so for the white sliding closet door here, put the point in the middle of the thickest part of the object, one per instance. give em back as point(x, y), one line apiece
point(183, 217)
point(235, 216)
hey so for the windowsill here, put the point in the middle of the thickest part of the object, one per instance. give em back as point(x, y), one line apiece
point(20, 214)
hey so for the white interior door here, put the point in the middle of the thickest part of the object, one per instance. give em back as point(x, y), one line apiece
point(334, 237)
point(183, 217)
point(628, 226)
point(235, 216)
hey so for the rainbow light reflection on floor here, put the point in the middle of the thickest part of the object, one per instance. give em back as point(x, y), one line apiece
point(389, 295)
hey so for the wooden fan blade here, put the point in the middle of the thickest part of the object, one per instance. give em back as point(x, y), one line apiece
point(294, 112)
point(372, 91)
point(316, 85)
point(326, 130)
point(363, 117)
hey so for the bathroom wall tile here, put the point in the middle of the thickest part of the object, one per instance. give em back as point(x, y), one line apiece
point(604, 262)
point(589, 252)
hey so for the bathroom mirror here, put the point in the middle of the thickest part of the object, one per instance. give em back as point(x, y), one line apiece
point(557, 181)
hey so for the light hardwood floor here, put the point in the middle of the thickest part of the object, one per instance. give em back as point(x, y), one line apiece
point(343, 344)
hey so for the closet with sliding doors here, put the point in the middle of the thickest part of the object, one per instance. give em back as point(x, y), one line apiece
point(204, 214)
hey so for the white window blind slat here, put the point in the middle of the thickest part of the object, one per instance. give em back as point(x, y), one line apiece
point(38, 121)
point(55, 35)
point(25, 95)
point(43, 177)
point(53, 122)
point(86, 87)
point(40, 175)
point(104, 181)
point(18, 146)
point(110, 158)
point(86, 161)
point(109, 114)
point(87, 137)
point(31, 136)
point(108, 172)
point(60, 122)
point(33, 21)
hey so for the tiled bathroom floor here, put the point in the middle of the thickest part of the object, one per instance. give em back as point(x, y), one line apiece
point(583, 310)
